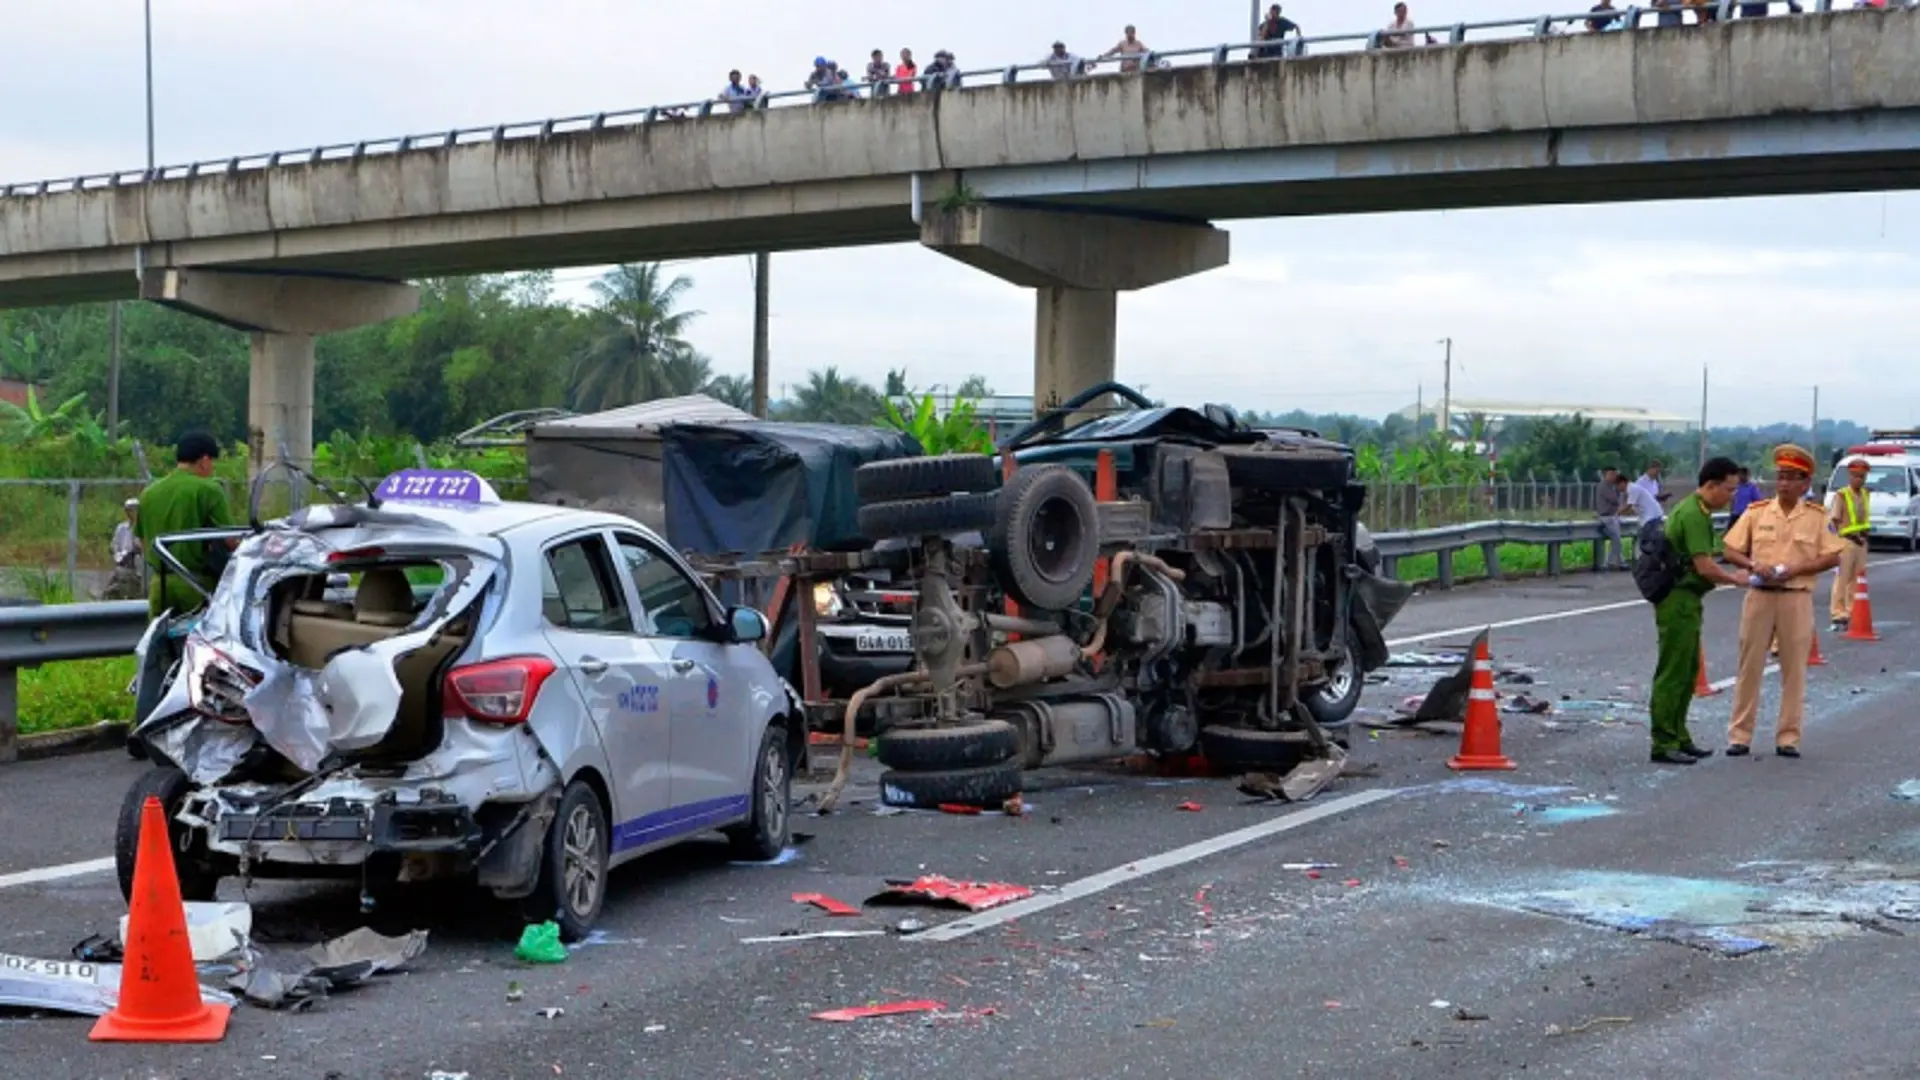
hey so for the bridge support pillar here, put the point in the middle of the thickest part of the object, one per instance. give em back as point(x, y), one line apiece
point(282, 313)
point(1078, 263)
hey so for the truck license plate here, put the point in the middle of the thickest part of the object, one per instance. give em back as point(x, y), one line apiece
point(884, 641)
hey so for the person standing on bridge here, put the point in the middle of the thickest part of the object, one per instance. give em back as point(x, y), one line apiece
point(1784, 544)
point(1130, 50)
point(1680, 616)
point(735, 93)
point(1273, 32)
point(907, 72)
point(181, 501)
point(1852, 519)
point(1062, 64)
point(1399, 32)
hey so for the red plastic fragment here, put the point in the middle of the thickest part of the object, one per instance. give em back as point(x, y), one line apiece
point(958, 808)
point(825, 903)
point(973, 896)
point(1191, 807)
point(864, 1012)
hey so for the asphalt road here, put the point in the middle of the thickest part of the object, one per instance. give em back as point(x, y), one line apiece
point(1578, 917)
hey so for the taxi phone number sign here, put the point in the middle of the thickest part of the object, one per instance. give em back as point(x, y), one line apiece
point(432, 485)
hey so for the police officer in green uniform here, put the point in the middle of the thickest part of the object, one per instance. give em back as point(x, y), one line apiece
point(1680, 617)
point(181, 501)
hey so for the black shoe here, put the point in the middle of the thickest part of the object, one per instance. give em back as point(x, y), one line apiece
point(1839, 626)
point(1696, 752)
point(1739, 750)
point(1670, 757)
point(1786, 751)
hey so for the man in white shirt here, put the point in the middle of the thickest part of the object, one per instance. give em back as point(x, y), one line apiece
point(1399, 32)
point(1641, 499)
point(1062, 64)
point(126, 582)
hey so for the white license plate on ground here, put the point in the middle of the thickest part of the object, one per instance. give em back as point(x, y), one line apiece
point(63, 970)
point(884, 641)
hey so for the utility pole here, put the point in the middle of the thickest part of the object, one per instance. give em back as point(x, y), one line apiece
point(762, 265)
point(149, 10)
point(113, 377)
point(1813, 433)
point(1254, 22)
point(1703, 416)
point(1446, 392)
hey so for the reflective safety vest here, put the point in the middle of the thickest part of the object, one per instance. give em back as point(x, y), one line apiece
point(1856, 505)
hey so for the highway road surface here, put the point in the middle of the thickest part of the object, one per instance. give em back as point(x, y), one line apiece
point(1588, 915)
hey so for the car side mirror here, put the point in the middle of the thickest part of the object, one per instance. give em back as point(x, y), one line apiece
point(747, 624)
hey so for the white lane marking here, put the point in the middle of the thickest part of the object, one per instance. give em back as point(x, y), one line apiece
point(55, 873)
point(1553, 616)
point(1727, 683)
point(1101, 882)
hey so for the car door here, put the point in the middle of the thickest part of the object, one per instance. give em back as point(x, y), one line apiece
point(588, 618)
point(715, 736)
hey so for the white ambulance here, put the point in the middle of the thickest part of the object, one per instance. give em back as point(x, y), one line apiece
point(1893, 479)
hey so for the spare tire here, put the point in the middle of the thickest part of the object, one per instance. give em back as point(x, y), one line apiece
point(952, 747)
point(986, 786)
point(922, 477)
point(909, 518)
point(1046, 538)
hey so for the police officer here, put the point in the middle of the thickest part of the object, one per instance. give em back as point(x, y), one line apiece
point(1679, 617)
point(1784, 545)
point(1852, 520)
point(181, 501)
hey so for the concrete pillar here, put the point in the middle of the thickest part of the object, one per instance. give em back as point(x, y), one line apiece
point(1077, 262)
point(283, 313)
point(1073, 341)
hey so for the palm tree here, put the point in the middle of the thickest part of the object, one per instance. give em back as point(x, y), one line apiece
point(638, 351)
point(735, 390)
point(830, 398)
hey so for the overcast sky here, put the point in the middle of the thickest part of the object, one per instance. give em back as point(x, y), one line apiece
point(1613, 304)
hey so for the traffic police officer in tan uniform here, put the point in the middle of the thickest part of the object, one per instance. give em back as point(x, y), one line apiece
point(1784, 544)
point(1851, 519)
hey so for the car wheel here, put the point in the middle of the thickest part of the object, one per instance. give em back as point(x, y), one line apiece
point(956, 747)
point(766, 834)
point(1045, 538)
point(925, 477)
point(193, 865)
point(1247, 750)
point(986, 786)
point(1334, 703)
point(912, 518)
point(573, 870)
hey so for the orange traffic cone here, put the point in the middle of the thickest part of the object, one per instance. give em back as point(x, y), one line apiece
point(1480, 741)
point(159, 990)
point(1860, 623)
point(1814, 659)
point(1701, 687)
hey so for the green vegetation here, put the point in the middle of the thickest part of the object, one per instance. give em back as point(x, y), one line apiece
point(1514, 559)
point(75, 694)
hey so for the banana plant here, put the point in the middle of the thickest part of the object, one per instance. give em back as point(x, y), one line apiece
point(958, 432)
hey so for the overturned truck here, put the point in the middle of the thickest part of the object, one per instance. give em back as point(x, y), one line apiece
point(1166, 580)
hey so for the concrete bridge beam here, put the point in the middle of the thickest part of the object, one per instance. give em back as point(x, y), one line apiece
point(1077, 264)
point(282, 314)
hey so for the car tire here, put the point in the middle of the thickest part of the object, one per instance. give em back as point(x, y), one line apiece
point(576, 846)
point(1045, 538)
point(985, 786)
point(961, 746)
point(193, 865)
point(765, 834)
point(1335, 702)
point(911, 518)
point(925, 477)
point(1247, 750)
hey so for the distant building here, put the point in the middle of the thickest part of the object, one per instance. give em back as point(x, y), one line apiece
point(1603, 416)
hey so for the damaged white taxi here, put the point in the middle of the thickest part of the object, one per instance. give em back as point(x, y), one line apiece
point(439, 683)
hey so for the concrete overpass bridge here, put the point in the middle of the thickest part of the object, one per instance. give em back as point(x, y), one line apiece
point(1078, 188)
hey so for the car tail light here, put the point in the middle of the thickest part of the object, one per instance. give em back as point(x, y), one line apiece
point(217, 685)
point(496, 691)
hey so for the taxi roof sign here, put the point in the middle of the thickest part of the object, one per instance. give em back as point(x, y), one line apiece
point(456, 487)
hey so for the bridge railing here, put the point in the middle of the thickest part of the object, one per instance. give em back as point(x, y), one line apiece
point(1636, 17)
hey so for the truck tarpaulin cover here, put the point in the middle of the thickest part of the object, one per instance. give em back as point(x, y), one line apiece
point(766, 486)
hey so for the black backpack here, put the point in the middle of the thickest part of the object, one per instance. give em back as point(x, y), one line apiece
point(1656, 567)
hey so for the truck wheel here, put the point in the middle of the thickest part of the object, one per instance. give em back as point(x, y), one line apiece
point(1046, 538)
point(764, 835)
point(192, 863)
point(1247, 750)
point(1334, 703)
point(986, 786)
point(919, 749)
point(573, 866)
point(925, 477)
point(911, 518)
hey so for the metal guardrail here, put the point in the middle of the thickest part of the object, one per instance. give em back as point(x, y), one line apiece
point(1630, 18)
point(1449, 540)
point(31, 636)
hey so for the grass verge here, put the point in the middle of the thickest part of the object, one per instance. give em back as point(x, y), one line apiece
point(74, 694)
point(1514, 559)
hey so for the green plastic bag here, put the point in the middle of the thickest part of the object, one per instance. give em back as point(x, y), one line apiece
point(540, 944)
